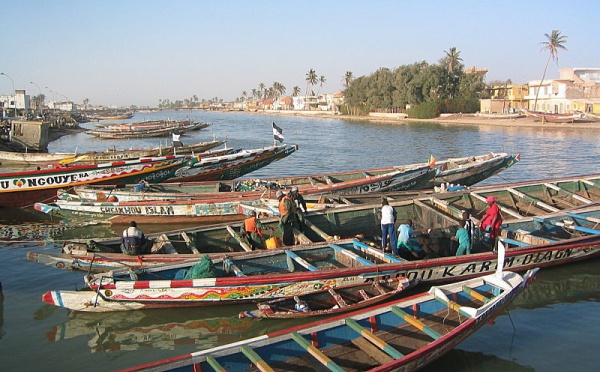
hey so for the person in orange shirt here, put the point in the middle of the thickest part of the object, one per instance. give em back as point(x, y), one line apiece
point(253, 231)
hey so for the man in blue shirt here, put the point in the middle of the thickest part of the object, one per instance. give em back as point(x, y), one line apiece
point(407, 242)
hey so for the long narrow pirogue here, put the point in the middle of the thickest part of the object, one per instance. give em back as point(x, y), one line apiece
point(403, 335)
point(571, 202)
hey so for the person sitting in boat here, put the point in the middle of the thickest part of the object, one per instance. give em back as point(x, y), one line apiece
point(301, 305)
point(491, 220)
point(253, 231)
point(133, 241)
point(408, 245)
point(463, 239)
point(141, 186)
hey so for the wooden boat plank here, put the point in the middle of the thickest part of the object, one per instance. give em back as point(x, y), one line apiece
point(238, 238)
point(567, 226)
point(373, 351)
point(188, 243)
point(569, 193)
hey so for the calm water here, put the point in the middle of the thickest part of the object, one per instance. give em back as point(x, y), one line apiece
point(552, 327)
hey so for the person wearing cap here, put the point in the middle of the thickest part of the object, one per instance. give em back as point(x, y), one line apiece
point(300, 205)
point(133, 241)
point(287, 217)
point(253, 231)
point(491, 220)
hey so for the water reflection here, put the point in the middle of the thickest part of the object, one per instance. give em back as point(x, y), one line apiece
point(200, 328)
point(461, 360)
point(562, 284)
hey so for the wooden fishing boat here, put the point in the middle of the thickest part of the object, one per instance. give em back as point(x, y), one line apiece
point(330, 301)
point(24, 188)
point(12, 157)
point(255, 276)
point(125, 154)
point(230, 166)
point(114, 116)
point(555, 118)
point(206, 210)
point(468, 171)
point(403, 335)
point(160, 132)
point(108, 155)
point(344, 182)
point(148, 125)
point(438, 212)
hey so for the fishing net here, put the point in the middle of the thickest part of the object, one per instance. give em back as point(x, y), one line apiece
point(203, 269)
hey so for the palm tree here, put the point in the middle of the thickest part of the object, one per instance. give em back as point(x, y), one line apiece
point(452, 59)
point(295, 91)
point(322, 81)
point(553, 43)
point(347, 79)
point(311, 79)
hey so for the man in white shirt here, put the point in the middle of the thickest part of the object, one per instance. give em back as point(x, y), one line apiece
point(388, 227)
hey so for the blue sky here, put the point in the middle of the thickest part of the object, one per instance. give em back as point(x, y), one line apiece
point(136, 52)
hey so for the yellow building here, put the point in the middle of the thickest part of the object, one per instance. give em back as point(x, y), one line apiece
point(505, 98)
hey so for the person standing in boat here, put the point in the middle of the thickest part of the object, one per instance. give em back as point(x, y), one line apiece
point(407, 243)
point(491, 220)
point(253, 231)
point(469, 226)
point(300, 205)
point(463, 239)
point(287, 219)
point(388, 226)
point(133, 241)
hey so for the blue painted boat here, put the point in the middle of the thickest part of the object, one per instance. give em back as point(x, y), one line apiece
point(403, 335)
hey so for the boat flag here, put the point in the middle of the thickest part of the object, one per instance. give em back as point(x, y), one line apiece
point(431, 161)
point(277, 133)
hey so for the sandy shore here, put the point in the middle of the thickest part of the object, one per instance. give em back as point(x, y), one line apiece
point(458, 119)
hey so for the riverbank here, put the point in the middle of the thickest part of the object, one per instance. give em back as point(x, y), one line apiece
point(457, 119)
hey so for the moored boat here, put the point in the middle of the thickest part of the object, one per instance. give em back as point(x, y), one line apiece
point(24, 188)
point(230, 166)
point(403, 335)
point(330, 301)
point(555, 118)
point(438, 212)
point(159, 132)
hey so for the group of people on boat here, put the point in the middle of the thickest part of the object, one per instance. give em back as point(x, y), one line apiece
point(404, 242)
point(292, 208)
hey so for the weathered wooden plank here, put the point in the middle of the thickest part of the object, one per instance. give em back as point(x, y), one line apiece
point(188, 242)
point(415, 322)
point(256, 359)
point(372, 350)
point(238, 238)
point(371, 337)
point(300, 260)
point(318, 354)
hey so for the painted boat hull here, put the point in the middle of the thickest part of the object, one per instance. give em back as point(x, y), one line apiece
point(18, 189)
point(424, 327)
point(229, 167)
point(519, 203)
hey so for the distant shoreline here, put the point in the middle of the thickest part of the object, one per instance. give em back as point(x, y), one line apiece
point(458, 119)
